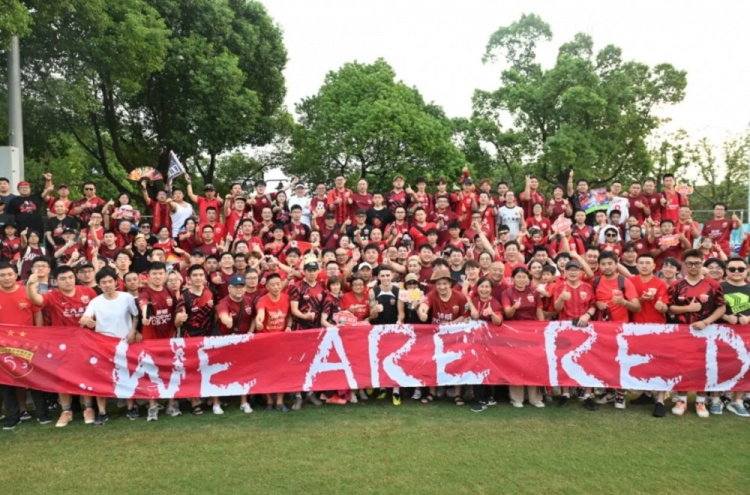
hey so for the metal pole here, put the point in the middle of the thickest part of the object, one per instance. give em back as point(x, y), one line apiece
point(15, 122)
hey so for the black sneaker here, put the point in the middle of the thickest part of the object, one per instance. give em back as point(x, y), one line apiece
point(563, 401)
point(478, 406)
point(643, 400)
point(491, 401)
point(12, 422)
point(44, 419)
point(132, 414)
point(726, 400)
point(659, 410)
point(25, 416)
point(746, 403)
point(589, 404)
point(101, 419)
point(283, 408)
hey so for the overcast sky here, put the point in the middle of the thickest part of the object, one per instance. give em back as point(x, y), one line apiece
point(437, 46)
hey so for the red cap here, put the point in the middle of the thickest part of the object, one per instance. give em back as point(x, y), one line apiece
point(23, 183)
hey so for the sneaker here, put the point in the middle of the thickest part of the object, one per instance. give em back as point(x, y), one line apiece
point(65, 418)
point(2, 416)
point(643, 400)
point(478, 406)
point(353, 399)
point(88, 416)
point(700, 409)
point(362, 395)
point(173, 410)
point(491, 401)
point(297, 403)
point(25, 416)
point(539, 405)
point(619, 401)
point(270, 408)
point(44, 419)
point(680, 408)
point(282, 408)
point(132, 414)
point(516, 404)
point(417, 395)
point(323, 397)
point(739, 409)
point(746, 403)
point(313, 399)
point(245, 408)
point(12, 422)
point(563, 401)
point(217, 409)
point(337, 400)
point(396, 399)
point(606, 399)
point(660, 410)
point(589, 404)
point(383, 394)
point(725, 399)
point(716, 406)
point(101, 419)
point(153, 414)
point(580, 393)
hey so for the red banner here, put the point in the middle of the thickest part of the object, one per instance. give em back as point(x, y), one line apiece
point(643, 357)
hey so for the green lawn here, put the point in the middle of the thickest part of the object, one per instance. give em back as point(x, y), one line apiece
point(378, 448)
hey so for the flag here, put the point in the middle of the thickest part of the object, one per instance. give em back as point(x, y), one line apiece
point(175, 167)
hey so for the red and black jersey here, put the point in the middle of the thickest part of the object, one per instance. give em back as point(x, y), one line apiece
point(297, 232)
point(10, 249)
point(200, 311)
point(310, 299)
point(395, 199)
point(708, 292)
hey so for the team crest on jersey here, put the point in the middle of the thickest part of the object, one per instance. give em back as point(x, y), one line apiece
point(169, 301)
point(724, 225)
point(455, 309)
point(210, 303)
point(530, 297)
point(248, 310)
point(583, 294)
point(23, 305)
point(85, 299)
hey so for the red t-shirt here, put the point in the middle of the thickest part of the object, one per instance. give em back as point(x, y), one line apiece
point(446, 311)
point(671, 210)
point(481, 306)
point(605, 292)
point(359, 308)
point(232, 308)
point(204, 204)
point(653, 201)
point(686, 229)
point(361, 202)
point(163, 305)
point(648, 313)
point(276, 313)
point(719, 231)
point(16, 308)
point(528, 203)
point(581, 299)
point(530, 302)
point(66, 311)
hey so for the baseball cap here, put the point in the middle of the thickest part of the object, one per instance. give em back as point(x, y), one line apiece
point(397, 177)
point(468, 180)
point(572, 264)
point(361, 212)
point(83, 265)
point(23, 183)
point(311, 265)
point(364, 265)
point(197, 252)
point(62, 186)
point(237, 280)
point(73, 231)
point(209, 187)
point(330, 215)
point(411, 277)
point(299, 186)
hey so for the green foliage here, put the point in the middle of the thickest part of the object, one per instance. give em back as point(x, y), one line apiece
point(237, 167)
point(132, 79)
point(15, 20)
point(591, 111)
point(364, 123)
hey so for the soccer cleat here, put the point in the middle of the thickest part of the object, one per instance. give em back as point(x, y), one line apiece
point(478, 406)
point(396, 399)
point(153, 414)
point(353, 398)
point(700, 410)
point(217, 409)
point(619, 401)
point(89, 416)
point(680, 408)
point(44, 419)
point(660, 410)
point(606, 399)
point(101, 419)
point(643, 400)
point(132, 414)
point(589, 404)
point(739, 409)
point(563, 401)
point(383, 394)
point(173, 410)
point(65, 418)
point(716, 406)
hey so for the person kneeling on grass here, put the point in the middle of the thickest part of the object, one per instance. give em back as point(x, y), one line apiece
point(114, 314)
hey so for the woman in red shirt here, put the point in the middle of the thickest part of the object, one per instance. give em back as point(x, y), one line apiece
point(522, 303)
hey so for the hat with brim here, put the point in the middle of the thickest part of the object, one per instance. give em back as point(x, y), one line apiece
point(442, 273)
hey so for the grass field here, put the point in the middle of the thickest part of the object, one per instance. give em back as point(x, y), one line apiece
point(374, 447)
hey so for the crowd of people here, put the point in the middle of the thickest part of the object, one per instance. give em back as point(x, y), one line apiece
point(192, 265)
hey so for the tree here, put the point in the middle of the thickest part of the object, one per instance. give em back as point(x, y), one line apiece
point(132, 79)
point(364, 123)
point(589, 112)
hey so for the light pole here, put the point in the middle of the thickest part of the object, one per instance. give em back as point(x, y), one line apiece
point(15, 118)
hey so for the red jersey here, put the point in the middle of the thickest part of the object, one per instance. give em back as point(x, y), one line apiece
point(581, 299)
point(719, 231)
point(528, 203)
point(358, 307)
point(361, 202)
point(395, 199)
point(10, 249)
point(419, 233)
point(276, 313)
point(658, 288)
point(240, 312)
point(160, 306)
point(542, 224)
point(160, 216)
point(425, 201)
point(636, 211)
point(96, 205)
point(16, 308)
point(66, 311)
point(200, 311)
point(686, 229)
point(556, 209)
point(707, 291)
point(310, 299)
point(530, 301)
point(605, 292)
point(203, 205)
point(446, 311)
point(343, 210)
point(481, 306)
point(466, 202)
point(319, 205)
point(262, 201)
point(671, 210)
point(653, 201)
point(297, 232)
point(232, 222)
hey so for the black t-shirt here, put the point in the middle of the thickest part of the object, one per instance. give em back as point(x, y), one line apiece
point(458, 275)
point(29, 212)
point(379, 218)
point(364, 233)
point(140, 261)
point(56, 227)
point(737, 298)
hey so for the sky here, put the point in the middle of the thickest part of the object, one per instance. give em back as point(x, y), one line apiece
point(437, 46)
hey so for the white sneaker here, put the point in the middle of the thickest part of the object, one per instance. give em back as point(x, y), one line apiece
point(417, 395)
point(353, 398)
point(217, 409)
point(538, 404)
point(700, 410)
point(174, 410)
point(362, 395)
point(606, 399)
point(516, 404)
point(245, 408)
point(153, 414)
point(680, 408)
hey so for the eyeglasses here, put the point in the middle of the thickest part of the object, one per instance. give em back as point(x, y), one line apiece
point(610, 235)
point(693, 264)
point(88, 188)
point(736, 269)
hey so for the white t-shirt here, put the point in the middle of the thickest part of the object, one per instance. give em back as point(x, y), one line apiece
point(114, 317)
point(512, 218)
point(304, 202)
point(179, 216)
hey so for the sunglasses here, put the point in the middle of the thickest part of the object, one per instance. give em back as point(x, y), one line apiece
point(610, 235)
point(736, 269)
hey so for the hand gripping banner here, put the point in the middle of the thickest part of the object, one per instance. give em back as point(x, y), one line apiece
point(621, 356)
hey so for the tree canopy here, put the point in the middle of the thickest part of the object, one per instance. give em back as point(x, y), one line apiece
point(591, 111)
point(364, 123)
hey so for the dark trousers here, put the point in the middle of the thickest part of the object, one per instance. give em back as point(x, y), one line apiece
point(11, 401)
